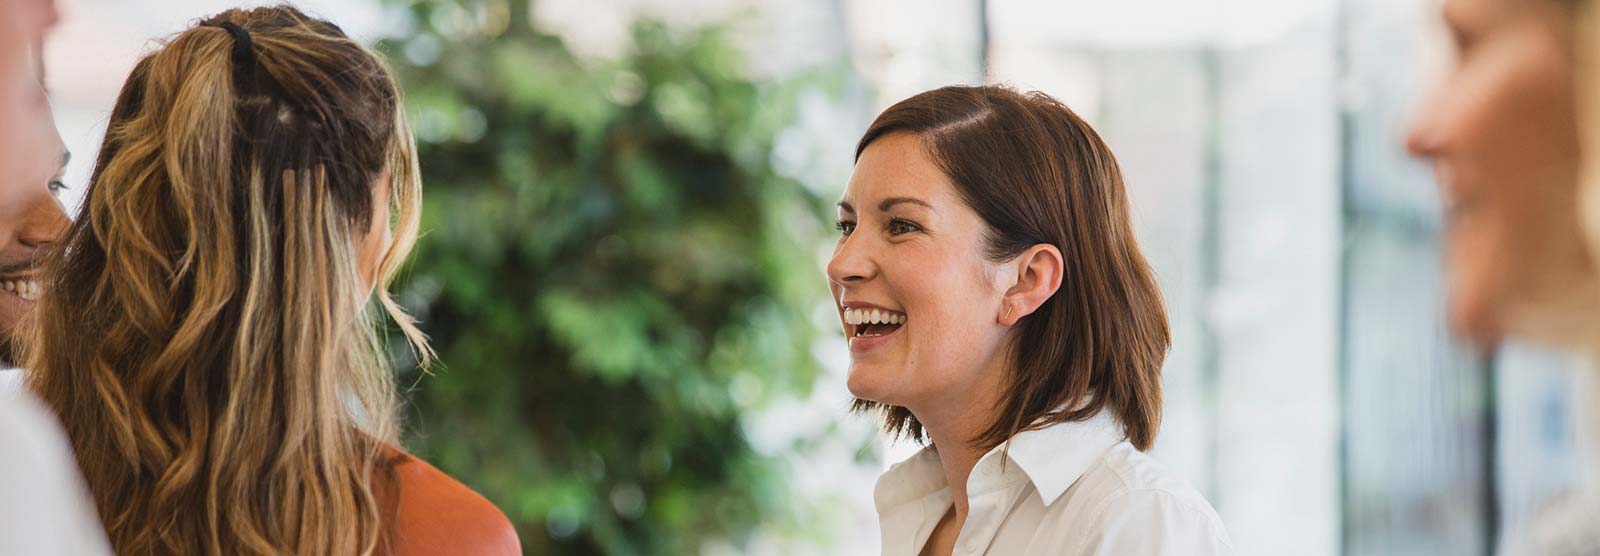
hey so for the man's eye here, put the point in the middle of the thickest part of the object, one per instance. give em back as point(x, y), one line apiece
point(845, 227)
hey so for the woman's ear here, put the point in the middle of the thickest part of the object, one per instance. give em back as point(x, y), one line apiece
point(1039, 271)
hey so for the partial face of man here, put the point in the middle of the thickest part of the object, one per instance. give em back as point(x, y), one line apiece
point(27, 134)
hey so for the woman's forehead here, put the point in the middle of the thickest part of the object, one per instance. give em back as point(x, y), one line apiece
point(897, 166)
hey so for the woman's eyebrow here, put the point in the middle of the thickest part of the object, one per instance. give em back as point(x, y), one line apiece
point(892, 201)
point(846, 207)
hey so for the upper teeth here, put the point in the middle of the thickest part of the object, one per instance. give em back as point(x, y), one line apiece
point(872, 316)
point(26, 289)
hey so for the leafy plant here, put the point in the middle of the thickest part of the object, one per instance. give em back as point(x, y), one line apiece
point(611, 273)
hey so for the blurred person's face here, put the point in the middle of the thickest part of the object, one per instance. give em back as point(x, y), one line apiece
point(1500, 132)
point(21, 31)
point(916, 294)
point(41, 224)
point(27, 134)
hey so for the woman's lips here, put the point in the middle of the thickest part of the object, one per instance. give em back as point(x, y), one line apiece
point(864, 344)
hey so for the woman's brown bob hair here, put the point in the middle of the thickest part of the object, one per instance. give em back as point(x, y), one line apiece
point(1038, 174)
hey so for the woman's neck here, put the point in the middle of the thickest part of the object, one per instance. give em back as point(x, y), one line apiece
point(954, 426)
point(958, 456)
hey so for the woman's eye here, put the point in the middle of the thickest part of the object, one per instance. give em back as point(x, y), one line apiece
point(1464, 45)
point(898, 226)
point(845, 227)
point(56, 186)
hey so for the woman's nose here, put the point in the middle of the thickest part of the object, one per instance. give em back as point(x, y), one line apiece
point(850, 262)
point(1423, 135)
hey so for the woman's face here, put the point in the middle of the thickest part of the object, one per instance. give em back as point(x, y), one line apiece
point(1500, 133)
point(919, 302)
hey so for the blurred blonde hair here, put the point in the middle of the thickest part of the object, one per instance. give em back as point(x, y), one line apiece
point(1587, 67)
point(203, 331)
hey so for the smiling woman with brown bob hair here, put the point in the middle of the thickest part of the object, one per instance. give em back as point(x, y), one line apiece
point(997, 305)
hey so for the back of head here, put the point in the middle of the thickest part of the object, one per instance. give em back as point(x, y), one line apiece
point(202, 330)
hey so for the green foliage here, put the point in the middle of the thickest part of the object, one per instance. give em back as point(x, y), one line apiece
point(608, 250)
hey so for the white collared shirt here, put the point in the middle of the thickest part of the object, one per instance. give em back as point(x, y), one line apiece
point(1074, 489)
point(44, 508)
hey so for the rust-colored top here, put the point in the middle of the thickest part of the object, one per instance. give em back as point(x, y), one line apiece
point(435, 515)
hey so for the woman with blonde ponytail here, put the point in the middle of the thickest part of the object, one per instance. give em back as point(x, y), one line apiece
point(208, 332)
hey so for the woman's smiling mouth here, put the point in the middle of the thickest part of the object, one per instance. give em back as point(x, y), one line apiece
point(869, 326)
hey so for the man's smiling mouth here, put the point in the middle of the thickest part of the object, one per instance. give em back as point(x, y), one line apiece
point(25, 288)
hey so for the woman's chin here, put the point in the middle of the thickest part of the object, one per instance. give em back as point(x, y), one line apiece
point(1474, 304)
point(859, 390)
point(1474, 327)
point(871, 383)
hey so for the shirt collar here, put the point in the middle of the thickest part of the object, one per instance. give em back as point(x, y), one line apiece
point(1053, 458)
point(909, 481)
point(908, 496)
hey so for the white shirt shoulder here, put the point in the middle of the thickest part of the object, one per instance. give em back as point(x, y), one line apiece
point(1131, 504)
point(44, 508)
point(1565, 526)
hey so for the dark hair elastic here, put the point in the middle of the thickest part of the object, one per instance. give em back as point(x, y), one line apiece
point(243, 48)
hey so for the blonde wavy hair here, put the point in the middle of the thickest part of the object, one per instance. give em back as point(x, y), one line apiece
point(205, 334)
